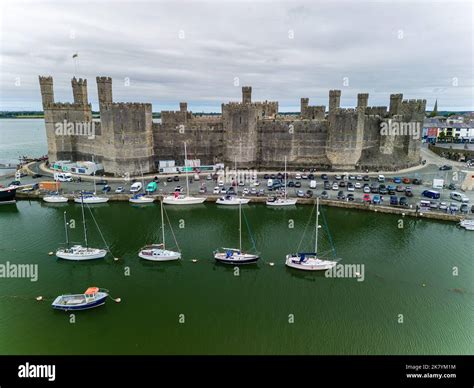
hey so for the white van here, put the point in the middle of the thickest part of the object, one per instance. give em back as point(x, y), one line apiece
point(459, 197)
point(136, 187)
point(270, 183)
point(312, 184)
point(62, 177)
point(381, 178)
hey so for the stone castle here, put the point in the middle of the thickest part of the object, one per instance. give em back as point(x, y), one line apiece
point(253, 133)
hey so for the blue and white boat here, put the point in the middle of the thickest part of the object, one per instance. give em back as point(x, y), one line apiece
point(92, 297)
point(141, 198)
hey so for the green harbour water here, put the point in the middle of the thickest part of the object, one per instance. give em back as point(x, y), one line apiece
point(408, 271)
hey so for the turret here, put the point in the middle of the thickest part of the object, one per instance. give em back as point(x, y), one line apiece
point(395, 104)
point(303, 104)
point(334, 100)
point(246, 94)
point(183, 106)
point(362, 100)
point(47, 93)
point(104, 88)
point(79, 91)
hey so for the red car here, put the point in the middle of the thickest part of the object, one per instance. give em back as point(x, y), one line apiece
point(406, 180)
point(367, 198)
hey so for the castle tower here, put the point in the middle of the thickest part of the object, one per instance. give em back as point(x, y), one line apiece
point(246, 94)
point(362, 100)
point(47, 93)
point(334, 100)
point(79, 91)
point(104, 88)
point(183, 106)
point(395, 104)
point(303, 105)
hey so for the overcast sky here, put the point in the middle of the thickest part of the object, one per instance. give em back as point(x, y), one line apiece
point(203, 52)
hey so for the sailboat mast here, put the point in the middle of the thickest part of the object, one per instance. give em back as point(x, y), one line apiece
point(285, 179)
point(65, 228)
point(240, 227)
point(186, 169)
point(84, 220)
point(95, 189)
point(317, 226)
point(162, 224)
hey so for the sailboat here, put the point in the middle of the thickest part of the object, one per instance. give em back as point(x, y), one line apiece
point(141, 198)
point(235, 255)
point(180, 199)
point(91, 198)
point(278, 201)
point(55, 197)
point(158, 252)
point(78, 252)
point(310, 261)
point(232, 199)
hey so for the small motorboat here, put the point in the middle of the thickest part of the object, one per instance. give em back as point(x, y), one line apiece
point(467, 224)
point(274, 201)
point(232, 200)
point(234, 256)
point(141, 198)
point(92, 297)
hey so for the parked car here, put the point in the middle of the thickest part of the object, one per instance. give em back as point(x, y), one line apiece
point(458, 197)
point(120, 190)
point(106, 189)
point(453, 208)
point(220, 183)
point(417, 181)
point(340, 195)
point(337, 177)
point(135, 187)
point(272, 176)
point(366, 189)
point(304, 176)
point(350, 187)
point(393, 200)
point(403, 201)
point(397, 180)
point(311, 176)
point(297, 184)
point(446, 167)
point(391, 190)
point(203, 189)
point(335, 186)
point(464, 208)
point(350, 197)
point(324, 177)
point(253, 191)
point(324, 195)
point(169, 179)
point(357, 185)
point(406, 180)
point(366, 198)
point(383, 190)
point(443, 206)
point(261, 193)
point(366, 178)
point(359, 177)
point(309, 193)
point(298, 176)
point(376, 199)
point(245, 191)
point(431, 194)
point(352, 177)
point(300, 193)
point(342, 184)
point(408, 192)
point(216, 190)
point(176, 178)
point(327, 185)
point(400, 188)
point(374, 188)
point(179, 189)
point(381, 178)
point(209, 177)
point(434, 205)
point(291, 184)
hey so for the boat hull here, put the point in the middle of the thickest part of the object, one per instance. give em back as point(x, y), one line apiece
point(141, 200)
point(236, 259)
point(159, 255)
point(171, 200)
point(55, 199)
point(7, 195)
point(81, 254)
point(91, 201)
point(283, 202)
point(99, 301)
point(311, 264)
point(233, 202)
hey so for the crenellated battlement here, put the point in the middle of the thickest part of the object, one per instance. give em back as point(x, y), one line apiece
point(376, 111)
point(79, 82)
point(67, 106)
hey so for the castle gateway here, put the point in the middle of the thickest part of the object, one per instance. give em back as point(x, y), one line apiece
point(126, 140)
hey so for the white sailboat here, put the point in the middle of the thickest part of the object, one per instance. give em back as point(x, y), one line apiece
point(467, 224)
point(141, 198)
point(235, 255)
point(180, 199)
point(91, 199)
point(78, 252)
point(55, 197)
point(278, 201)
point(233, 200)
point(310, 261)
point(158, 252)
